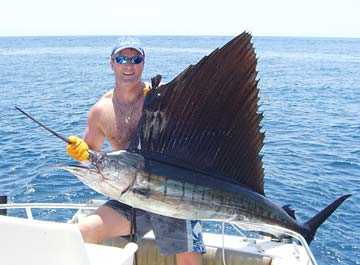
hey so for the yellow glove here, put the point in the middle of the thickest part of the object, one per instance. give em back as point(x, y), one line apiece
point(77, 148)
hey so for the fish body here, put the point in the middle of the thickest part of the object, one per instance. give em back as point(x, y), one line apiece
point(125, 176)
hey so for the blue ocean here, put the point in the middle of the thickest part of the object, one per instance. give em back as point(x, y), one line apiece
point(309, 94)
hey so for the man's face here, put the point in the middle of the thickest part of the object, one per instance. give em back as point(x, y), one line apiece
point(128, 73)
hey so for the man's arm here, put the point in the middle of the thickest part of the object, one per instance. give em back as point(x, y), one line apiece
point(93, 138)
point(94, 135)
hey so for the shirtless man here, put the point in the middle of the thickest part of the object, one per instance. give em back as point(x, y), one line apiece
point(115, 117)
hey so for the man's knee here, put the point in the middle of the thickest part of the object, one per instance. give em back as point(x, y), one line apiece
point(188, 258)
point(103, 224)
point(91, 229)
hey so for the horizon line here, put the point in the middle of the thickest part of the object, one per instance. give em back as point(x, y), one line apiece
point(178, 35)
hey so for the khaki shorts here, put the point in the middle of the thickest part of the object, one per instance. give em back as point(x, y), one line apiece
point(172, 235)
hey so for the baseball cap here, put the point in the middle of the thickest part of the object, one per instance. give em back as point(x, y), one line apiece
point(127, 42)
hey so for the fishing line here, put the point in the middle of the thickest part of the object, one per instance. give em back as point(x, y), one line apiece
point(42, 125)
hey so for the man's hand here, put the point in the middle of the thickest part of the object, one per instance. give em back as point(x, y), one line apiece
point(77, 148)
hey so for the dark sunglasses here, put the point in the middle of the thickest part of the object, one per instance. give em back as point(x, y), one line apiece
point(124, 59)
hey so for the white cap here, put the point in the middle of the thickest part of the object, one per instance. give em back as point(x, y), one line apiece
point(126, 43)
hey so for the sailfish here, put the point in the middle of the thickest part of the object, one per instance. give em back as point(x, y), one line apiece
point(196, 153)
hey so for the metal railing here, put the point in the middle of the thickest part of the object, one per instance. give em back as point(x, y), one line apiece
point(29, 206)
point(242, 225)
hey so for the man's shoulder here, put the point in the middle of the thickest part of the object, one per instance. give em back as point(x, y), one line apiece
point(103, 104)
point(108, 95)
point(105, 99)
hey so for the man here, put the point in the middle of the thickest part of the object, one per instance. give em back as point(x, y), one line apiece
point(115, 117)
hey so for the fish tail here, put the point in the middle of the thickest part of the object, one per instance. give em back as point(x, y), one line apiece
point(310, 227)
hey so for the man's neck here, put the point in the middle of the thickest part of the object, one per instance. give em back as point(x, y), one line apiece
point(128, 93)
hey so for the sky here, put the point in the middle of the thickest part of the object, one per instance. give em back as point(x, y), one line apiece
point(308, 18)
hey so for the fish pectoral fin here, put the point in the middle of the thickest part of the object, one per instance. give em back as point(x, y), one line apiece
point(156, 197)
point(142, 191)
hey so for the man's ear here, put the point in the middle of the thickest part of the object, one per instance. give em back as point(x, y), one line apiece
point(112, 63)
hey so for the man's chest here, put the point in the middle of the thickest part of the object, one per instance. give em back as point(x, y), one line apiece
point(119, 132)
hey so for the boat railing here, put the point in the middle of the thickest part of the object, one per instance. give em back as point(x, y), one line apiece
point(29, 206)
point(93, 205)
point(271, 229)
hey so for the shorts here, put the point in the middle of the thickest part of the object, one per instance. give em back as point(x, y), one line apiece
point(172, 235)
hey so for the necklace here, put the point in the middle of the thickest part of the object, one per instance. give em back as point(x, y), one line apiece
point(127, 118)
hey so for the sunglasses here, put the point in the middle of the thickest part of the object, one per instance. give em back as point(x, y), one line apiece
point(124, 59)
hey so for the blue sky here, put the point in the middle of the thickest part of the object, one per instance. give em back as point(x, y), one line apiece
point(311, 18)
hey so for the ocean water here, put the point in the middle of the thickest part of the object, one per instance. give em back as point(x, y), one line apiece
point(310, 96)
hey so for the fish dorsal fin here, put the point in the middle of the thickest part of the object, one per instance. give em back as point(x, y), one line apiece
point(207, 118)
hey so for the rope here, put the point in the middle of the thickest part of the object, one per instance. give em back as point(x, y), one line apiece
point(133, 232)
